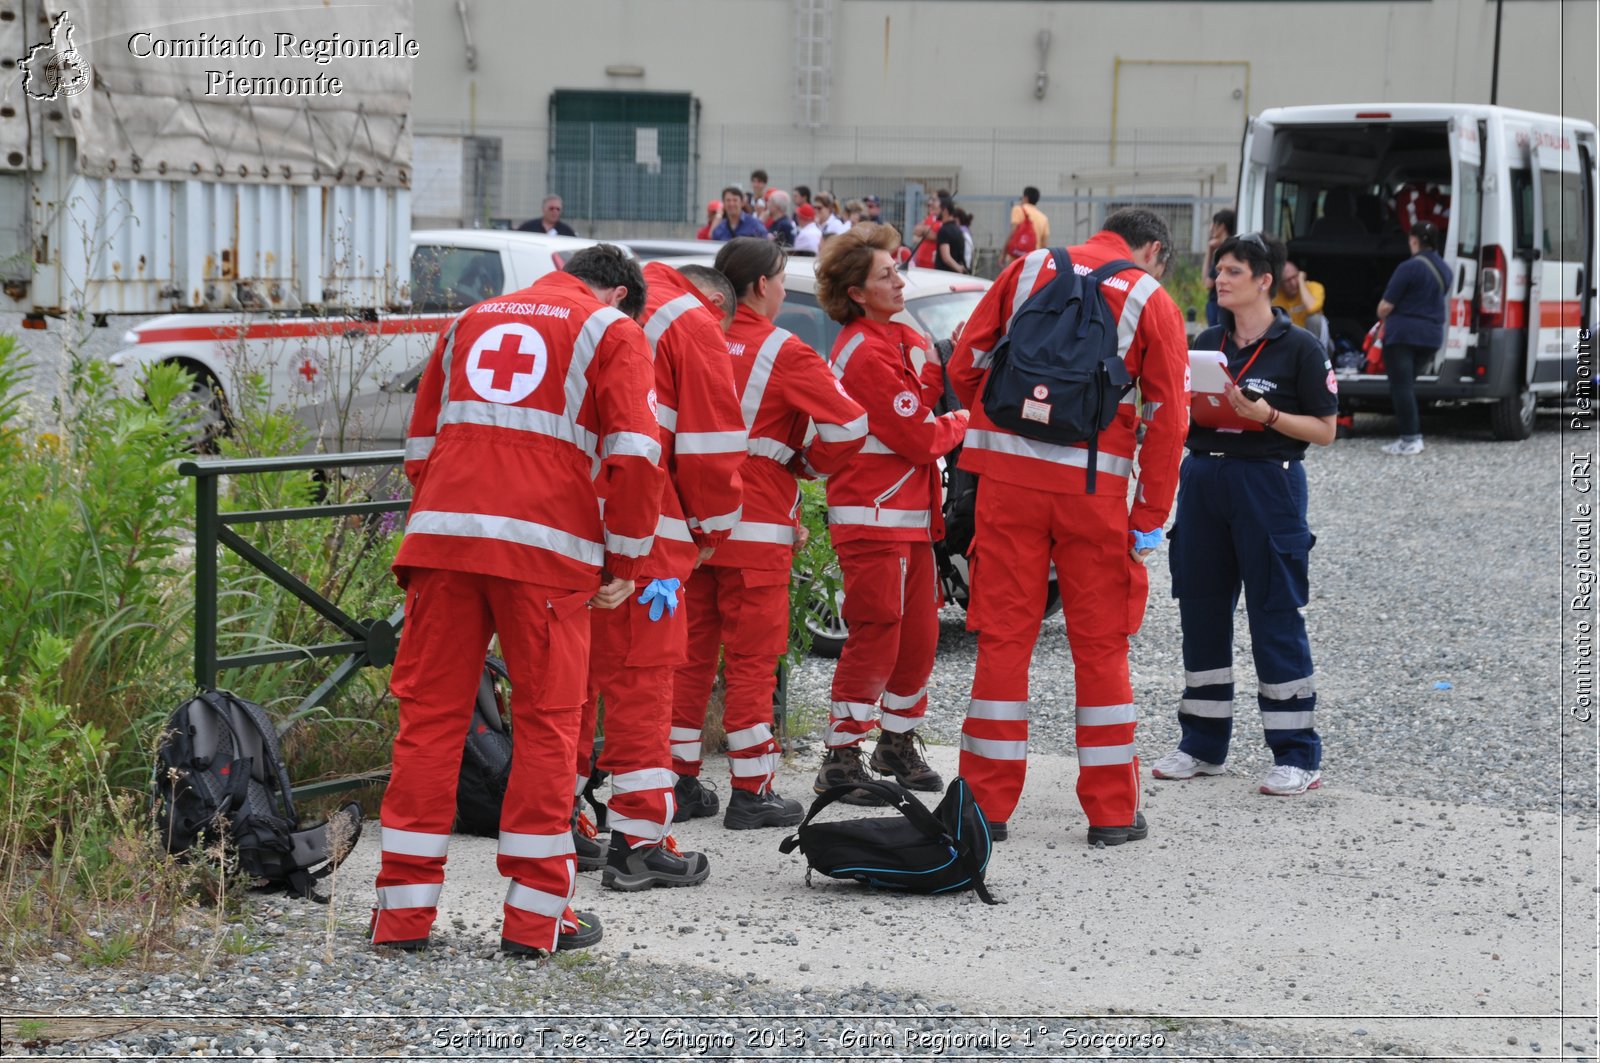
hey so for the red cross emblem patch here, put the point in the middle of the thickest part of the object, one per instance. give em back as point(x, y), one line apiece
point(507, 362)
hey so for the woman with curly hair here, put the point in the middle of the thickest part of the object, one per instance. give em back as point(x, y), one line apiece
point(883, 516)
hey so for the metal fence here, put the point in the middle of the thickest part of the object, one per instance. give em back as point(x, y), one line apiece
point(626, 179)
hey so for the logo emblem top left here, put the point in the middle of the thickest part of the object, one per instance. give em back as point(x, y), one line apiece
point(507, 363)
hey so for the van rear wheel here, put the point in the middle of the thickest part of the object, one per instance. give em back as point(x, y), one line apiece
point(1513, 416)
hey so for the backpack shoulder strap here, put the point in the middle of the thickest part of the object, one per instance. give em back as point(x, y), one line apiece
point(1435, 271)
point(275, 770)
point(1112, 268)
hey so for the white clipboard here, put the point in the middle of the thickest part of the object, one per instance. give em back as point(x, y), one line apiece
point(1208, 401)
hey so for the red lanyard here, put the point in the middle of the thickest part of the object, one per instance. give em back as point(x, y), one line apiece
point(1246, 367)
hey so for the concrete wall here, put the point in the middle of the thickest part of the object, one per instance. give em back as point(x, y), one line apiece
point(1182, 76)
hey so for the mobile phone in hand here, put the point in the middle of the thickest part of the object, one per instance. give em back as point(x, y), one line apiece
point(1252, 394)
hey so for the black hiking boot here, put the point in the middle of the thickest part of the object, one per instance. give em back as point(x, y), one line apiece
point(694, 799)
point(900, 754)
point(747, 811)
point(589, 847)
point(1137, 832)
point(651, 865)
point(579, 930)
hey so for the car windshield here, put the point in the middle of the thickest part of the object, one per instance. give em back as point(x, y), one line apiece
point(940, 314)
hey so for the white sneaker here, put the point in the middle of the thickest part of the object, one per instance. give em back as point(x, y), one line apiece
point(1404, 447)
point(1180, 765)
point(1285, 780)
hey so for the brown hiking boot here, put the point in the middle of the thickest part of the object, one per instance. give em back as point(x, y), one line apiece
point(841, 767)
point(900, 754)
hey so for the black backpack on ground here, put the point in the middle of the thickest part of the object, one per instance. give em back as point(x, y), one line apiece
point(1056, 374)
point(220, 773)
point(486, 761)
point(917, 851)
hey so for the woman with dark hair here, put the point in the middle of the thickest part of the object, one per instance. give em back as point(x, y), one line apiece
point(883, 515)
point(1413, 314)
point(1242, 522)
point(738, 599)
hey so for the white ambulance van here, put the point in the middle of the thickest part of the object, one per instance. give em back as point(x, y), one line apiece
point(1514, 195)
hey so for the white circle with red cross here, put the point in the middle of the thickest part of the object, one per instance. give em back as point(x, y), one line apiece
point(507, 362)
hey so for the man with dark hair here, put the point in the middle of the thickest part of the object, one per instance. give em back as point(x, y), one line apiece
point(716, 288)
point(1224, 223)
point(1027, 210)
point(736, 221)
point(534, 406)
point(1036, 505)
point(549, 219)
point(1413, 314)
point(802, 196)
point(951, 242)
point(756, 201)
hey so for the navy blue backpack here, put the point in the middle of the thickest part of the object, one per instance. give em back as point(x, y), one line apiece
point(1056, 374)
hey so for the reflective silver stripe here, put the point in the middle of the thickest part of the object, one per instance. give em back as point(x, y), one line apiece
point(1147, 412)
point(762, 447)
point(674, 529)
point(897, 724)
point(520, 419)
point(853, 710)
point(843, 358)
point(760, 374)
point(1287, 721)
point(1100, 756)
point(535, 846)
point(506, 529)
point(752, 767)
point(980, 709)
point(419, 447)
point(721, 522)
point(1078, 457)
point(649, 829)
point(837, 736)
point(1031, 267)
point(577, 384)
point(749, 737)
point(754, 531)
point(880, 518)
point(1294, 688)
point(689, 751)
point(666, 417)
point(537, 901)
point(1132, 310)
point(980, 358)
point(669, 312)
point(421, 895)
point(635, 443)
point(630, 782)
point(1106, 715)
point(903, 701)
point(1211, 710)
point(628, 546)
point(415, 843)
point(445, 361)
point(685, 743)
point(994, 748)
point(711, 442)
point(684, 734)
point(1209, 677)
point(843, 433)
point(874, 445)
point(578, 787)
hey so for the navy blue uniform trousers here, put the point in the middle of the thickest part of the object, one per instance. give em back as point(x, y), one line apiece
point(1242, 522)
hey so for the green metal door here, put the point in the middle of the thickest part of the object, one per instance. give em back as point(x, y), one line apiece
point(622, 155)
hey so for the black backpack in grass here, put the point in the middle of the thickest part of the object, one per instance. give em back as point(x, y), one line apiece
point(219, 776)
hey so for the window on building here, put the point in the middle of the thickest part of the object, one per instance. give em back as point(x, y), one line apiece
point(622, 155)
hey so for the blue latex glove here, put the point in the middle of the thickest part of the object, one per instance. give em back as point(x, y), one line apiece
point(662, 597)
point(1147, 540)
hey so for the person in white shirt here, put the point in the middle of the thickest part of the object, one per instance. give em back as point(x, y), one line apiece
point(828, 219)
point(808, 241)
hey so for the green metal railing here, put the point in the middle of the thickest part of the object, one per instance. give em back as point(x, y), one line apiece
point(368, 642)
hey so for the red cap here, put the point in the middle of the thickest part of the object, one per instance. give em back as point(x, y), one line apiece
point(806, 212)
point(714, 206)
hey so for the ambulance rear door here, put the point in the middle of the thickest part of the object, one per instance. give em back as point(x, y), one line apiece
point(1557, 271)
point(1255, 179)
point(1464, 237)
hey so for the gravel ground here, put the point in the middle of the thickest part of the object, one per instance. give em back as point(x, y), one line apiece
point(1439, 569)
point(1442, 569)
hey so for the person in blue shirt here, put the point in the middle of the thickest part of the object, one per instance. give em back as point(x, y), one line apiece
point(1413, 316)
point(733, 208)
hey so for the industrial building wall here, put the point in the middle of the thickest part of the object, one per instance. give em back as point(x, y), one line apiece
point(1078, 97)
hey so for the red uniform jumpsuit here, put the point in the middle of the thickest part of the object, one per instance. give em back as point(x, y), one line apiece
point(1033, 508)
point(739, 600)
point(883, 514)
point(532, 401)
point(634, 658)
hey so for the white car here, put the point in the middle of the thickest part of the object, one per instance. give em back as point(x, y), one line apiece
point(307, 361)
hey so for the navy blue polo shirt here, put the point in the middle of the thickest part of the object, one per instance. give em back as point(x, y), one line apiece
point(1417, 294)
point(1292, 372)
